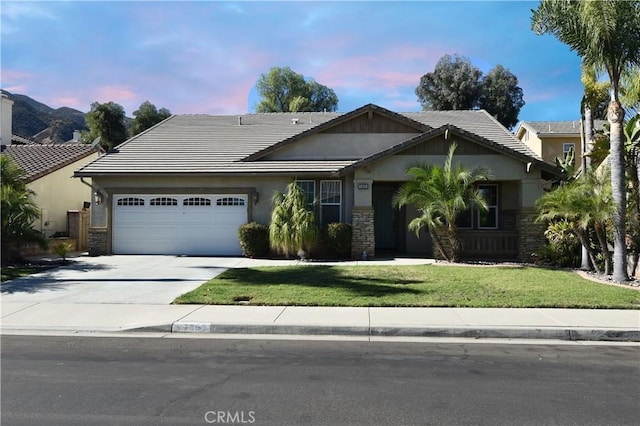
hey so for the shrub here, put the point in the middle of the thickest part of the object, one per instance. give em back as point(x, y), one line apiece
point(337, 240)
point(254, 239)
point(293, 228)
point(62, 250)
point(563, 247)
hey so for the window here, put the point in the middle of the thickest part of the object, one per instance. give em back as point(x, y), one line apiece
point(330, 201)
point(309, 189)
point(230, 201)
point(474, 218)
point(163, 201)
point(131, 201)
point(489, 219)
point(566, 148)
point(196, 201)
point(465, 219)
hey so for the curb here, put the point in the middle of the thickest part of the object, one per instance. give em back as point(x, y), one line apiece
point(549, 333)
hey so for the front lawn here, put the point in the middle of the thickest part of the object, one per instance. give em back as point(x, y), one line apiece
point(12, 272)
point(424, 285)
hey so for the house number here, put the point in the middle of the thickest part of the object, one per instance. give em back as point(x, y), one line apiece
point(363, 186)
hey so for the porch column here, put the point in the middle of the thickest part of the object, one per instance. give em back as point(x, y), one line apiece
point(530, 234)
point(363, 236)
point(98, 240)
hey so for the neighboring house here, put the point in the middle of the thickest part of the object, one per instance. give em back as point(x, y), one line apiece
point(49, 173)
point(553, 139)
point(184, 186)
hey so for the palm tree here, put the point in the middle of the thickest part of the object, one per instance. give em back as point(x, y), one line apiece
point(441, 194)
point(586, 203)
point(606, 34)
point(18, 211)
point(293, 227)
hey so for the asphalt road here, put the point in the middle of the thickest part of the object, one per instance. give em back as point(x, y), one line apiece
point(136, 381)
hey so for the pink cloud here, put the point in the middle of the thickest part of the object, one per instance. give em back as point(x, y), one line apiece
point(70, 101)
point(20, 88)
point(113, 93)
point(403, 66)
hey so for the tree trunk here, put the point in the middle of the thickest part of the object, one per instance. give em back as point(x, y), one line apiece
point(584, 240)
point(587, 147)
point(456, 246)
point(588, 137)
point(438, 243)
point(618, 187)
point(601, 234)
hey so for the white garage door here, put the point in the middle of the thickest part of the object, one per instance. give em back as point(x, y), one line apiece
point(178, 224)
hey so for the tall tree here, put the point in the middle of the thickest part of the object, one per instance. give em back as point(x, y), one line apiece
point(18, 211)
point(283, 90)
point(107, 122)
point(586, 204)
point(501, 97)
point(606, 35)
point(441, 194)
point(454, 84)
point(147, 116)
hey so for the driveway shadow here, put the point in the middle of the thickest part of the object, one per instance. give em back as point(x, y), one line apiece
point(49, 278)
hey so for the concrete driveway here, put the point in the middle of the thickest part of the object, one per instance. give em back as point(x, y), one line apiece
point(117, 279)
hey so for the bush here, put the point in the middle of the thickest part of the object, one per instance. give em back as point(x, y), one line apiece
point(254, 239)
point(63, 250)
point(337, 240)
point(563, 247)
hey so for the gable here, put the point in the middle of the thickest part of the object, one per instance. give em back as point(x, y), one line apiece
point(373, 122)
point(440, 146)
point(352, 139)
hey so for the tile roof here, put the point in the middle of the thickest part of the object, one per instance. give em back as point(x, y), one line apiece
point(19, 140)
point(477, 122)
point(558, 127)
point(40, 160)
point(209, 144)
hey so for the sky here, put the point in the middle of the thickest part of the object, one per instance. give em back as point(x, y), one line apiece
point(204, 57)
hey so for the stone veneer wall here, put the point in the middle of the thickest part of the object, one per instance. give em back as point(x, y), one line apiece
point(363, 236)
point(531, 235)
point(97, 241)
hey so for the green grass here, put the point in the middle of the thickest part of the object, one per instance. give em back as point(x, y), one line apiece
point(425, 285)
point(12, 272)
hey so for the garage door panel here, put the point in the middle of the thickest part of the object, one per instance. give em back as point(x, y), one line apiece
point(178, 224)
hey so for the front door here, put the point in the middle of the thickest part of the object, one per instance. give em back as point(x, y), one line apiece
point(385, 217)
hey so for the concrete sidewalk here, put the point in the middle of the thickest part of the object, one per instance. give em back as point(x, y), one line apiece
point(562, 324)
point(115, 294)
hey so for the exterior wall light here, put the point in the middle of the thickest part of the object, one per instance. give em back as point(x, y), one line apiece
point(98, 197)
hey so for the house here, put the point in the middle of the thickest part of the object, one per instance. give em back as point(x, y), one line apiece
point(185, 185)
point(553, 139)
point(49, 174)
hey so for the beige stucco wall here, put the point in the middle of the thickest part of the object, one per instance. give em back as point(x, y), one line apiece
point(532, 141)
point(58, 192)
point(6, 108)
point(552, 148)
point(339, 146)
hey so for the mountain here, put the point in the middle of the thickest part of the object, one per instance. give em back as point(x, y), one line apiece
point(38, 122)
